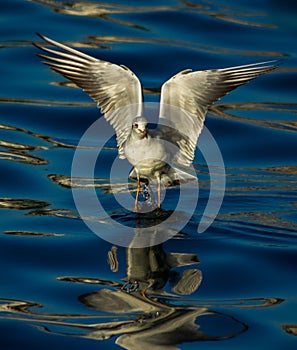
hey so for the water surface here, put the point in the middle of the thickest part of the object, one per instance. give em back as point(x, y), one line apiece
point(231, 287)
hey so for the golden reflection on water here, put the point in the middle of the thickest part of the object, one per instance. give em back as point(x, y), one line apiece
point(22, 152)
point(220, 110)
point(21, 204)
point(18, 152)
point(245, 182)
point(261, 221)
point(16, 156)
point(111, 12)
point(31, 233)
point(81, 182)
point(65, 213)
point(290, 328)
point(107, 42)
point(223, 110)
point(34, 208)
point(262, 185)
point(136, 309)
point(96, 42)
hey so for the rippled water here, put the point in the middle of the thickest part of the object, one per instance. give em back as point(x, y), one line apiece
point(233, 286)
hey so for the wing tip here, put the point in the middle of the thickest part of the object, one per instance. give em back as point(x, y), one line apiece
point(43, 37)
point(266, 66)
point(40, 35)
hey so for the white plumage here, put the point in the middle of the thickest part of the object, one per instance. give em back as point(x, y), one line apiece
point(185, 99)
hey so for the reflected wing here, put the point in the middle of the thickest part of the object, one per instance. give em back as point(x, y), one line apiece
point(186, 97)
point(116, 89)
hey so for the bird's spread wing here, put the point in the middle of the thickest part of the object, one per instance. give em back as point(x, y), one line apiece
point(186, 97)
point(116, 89)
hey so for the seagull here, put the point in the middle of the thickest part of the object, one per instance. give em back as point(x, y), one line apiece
point(155, 154)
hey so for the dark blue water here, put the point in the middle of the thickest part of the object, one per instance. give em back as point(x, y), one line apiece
point(230, 287)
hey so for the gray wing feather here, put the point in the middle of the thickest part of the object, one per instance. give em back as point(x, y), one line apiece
point(186, 97)
point(116, 89)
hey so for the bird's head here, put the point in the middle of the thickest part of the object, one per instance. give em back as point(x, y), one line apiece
point(139, 127)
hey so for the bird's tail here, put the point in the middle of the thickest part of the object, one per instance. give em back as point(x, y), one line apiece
point(178, 176)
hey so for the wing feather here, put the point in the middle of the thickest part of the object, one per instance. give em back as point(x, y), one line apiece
point(116, 89)
point(186, 97)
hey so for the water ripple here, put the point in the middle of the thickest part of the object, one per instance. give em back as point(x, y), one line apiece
point(111, 12)
point(60, 278)
point(106, 42)
point(32, 234)
point(228, 111)
point(21, 204)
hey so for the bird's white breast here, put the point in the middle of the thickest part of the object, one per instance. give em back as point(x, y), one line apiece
point(148, 151)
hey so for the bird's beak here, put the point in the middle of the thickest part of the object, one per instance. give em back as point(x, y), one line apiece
point(144, 132)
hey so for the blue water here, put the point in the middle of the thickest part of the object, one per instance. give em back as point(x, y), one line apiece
point(230, 287)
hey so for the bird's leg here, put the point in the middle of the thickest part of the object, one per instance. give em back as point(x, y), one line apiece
point(137, 195)
point(159, 193)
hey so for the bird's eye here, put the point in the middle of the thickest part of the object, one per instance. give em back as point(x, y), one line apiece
point(136, 125)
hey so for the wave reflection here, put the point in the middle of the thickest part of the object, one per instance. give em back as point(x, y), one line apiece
point(111, 12)
point(20, 152)
point(32, 234)
point(107, 42)
point(271, 224)
point(138, 309)
point(21, 204)
point(228, 111)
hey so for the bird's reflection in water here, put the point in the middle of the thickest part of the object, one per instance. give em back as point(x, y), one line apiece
point(154, 317)
point(144, 313)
